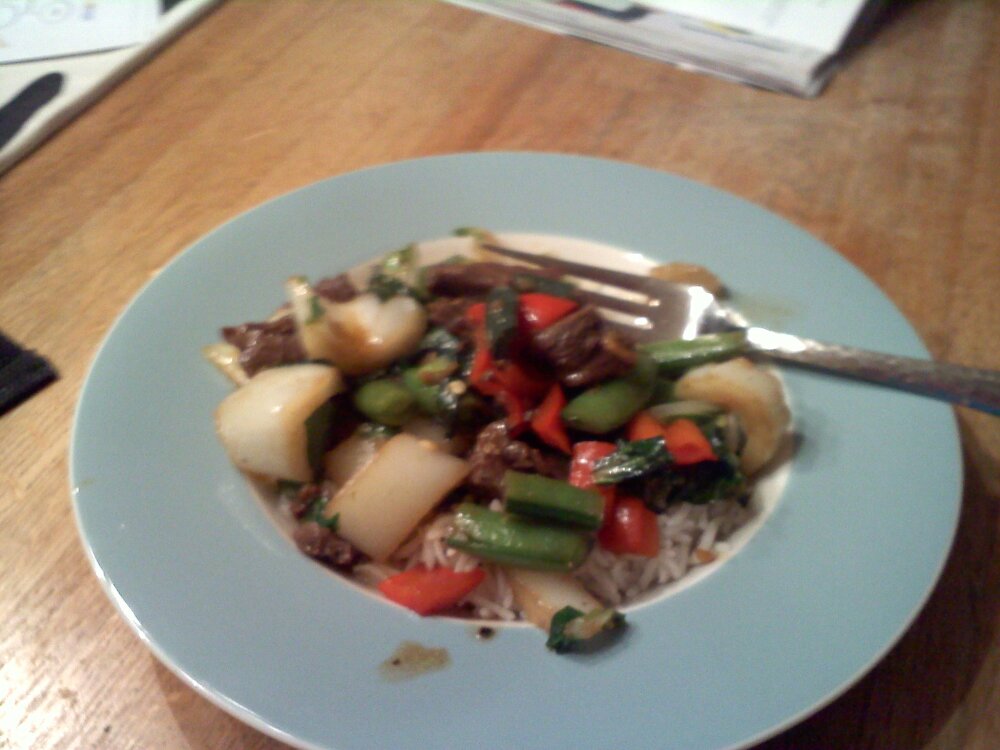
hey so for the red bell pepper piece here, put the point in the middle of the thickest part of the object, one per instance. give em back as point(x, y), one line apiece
point(547, 420)
point(633, 530)
point(581, 472)
point(517, 378)
point(476, 314)
point(482, 374)
point(684, 439)
point(687, 443)
point(539, 311)
point(516, 418)
point(644, 426)
point(426, 591)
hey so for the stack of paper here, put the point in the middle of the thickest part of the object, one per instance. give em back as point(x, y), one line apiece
point(783, 45)
point(58, 56)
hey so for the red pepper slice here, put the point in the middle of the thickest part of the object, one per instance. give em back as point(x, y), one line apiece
point(581, 472)
point(426, 591)
point(476, 314)
point(514, 404)
point(687, 443)
point(539, 311)
point(684, 439)
point(643, 426)
point(547, 420)
point(482, 374)
point(633, 530)
point(517, 378)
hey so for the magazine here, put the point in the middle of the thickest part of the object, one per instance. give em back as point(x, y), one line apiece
point(793, 46)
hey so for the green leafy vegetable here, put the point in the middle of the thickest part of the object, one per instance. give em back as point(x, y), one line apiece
point(572, 630)
point(501, 321)
point(440, 341)
point(637, 458)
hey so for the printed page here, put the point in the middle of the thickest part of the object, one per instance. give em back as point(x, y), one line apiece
point(36, 29)
point(820, 24)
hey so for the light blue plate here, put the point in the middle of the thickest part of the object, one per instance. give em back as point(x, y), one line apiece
point(196, 566)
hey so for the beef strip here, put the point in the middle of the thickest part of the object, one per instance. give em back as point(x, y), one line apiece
point(337, 288)
point(322, 543)
point(495, 452)
point(467, 279)
point(449, 313)
point(303, 499)
point(265, 344)
point(582, 350)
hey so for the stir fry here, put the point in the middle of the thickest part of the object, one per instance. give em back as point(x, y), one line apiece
point(469, 437)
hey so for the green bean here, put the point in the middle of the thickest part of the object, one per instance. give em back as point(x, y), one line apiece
point(551, 499)
point(505, 539)
point(610, 405)
point(674, 357)
point(385, 401)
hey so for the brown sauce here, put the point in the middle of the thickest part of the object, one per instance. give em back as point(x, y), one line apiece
point(412, 660)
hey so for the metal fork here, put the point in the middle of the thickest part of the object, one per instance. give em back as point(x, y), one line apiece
point(672, 311)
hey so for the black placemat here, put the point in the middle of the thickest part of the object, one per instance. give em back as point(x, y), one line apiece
point(22, 374)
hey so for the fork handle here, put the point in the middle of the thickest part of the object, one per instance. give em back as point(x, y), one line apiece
point(967, 386)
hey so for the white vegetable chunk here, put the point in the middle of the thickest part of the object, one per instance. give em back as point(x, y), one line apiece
point(263, 424)
point(385, 501)
point(226, 358)
point(349, 457)
point(359, 336)
point(540, 594)
point(753, 394)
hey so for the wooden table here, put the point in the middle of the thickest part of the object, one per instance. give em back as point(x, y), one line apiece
point(896, 165)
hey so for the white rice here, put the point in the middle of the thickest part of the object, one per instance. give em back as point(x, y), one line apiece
point(690, 536)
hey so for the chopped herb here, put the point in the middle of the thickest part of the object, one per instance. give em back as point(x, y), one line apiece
point(440, 341)
point(316, 311)
point(387, 287)
point(393, 276)
point(316, 514)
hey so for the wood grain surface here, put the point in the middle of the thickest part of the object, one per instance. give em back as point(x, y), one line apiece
point(897, 165)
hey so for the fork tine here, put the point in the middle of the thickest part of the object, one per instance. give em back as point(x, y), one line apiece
point(637, 334)
point(614, 303)
point(582, 270)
